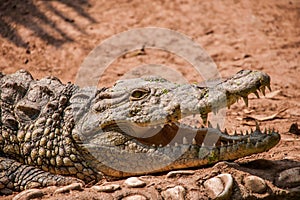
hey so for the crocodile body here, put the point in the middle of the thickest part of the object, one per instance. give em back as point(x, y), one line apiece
point(54, 133)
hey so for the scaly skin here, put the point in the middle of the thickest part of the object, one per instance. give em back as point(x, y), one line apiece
point(51, 132)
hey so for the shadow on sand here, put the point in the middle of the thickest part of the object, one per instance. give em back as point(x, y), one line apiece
point(29, 15)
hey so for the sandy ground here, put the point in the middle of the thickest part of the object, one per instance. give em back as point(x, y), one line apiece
point(54, 37)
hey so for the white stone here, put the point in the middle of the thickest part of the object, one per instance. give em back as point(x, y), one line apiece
point(106, 188)
point(255, 184)
point(220, 186)
point(134, 182)
point(177, 192)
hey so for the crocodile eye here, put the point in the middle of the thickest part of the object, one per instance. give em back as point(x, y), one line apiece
point(138, 94)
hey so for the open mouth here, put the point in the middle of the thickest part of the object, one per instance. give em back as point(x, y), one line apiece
point(181, 134)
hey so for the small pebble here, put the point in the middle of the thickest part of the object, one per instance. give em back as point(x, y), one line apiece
point(134, 182)
point(135, 197)
point(106, 188)
point(177, 192)
point(29, 194)
point(220, 186)
point(255, 184)
point(68, 188)
point(179, 173)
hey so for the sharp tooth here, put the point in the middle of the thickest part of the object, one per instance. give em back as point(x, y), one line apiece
point(222, 144)
point(228, 143)
point(218, 127)
point(263, 90)
point(272, 131)
point(161, 126)
point(204, 118)
point(225, 131)
point(160, 146)
point(242, 133)
point(184, 140)
point(155, 127)
point(235, 133)
point(247, 133)
point(153, 145)
point(202, 145)
point(248, 140)
point(209, 124)
point(265, 131)
point(194, 141)
point(269, 87)
point(168, 145)
point(233, 141)
point(246, 100)
point(257, 126)
point(258, 144)
point(256, 94)
point(215, 111)
point(176, 144)
point(251, 130)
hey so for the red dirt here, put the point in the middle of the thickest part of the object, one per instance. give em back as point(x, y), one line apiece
point(54, 37)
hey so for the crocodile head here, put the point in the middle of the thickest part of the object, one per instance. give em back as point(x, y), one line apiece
point(137, 127)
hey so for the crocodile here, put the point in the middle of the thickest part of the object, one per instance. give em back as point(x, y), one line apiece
point(56, 134)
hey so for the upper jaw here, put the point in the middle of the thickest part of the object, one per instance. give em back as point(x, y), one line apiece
point(211, 99)
point(184, 100)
